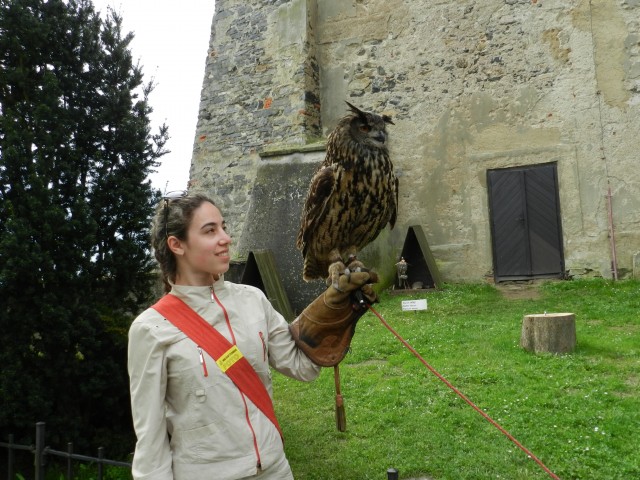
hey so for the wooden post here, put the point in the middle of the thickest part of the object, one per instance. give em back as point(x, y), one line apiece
point(549, 332)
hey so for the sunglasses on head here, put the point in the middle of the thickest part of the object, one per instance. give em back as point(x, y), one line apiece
point(167, 197)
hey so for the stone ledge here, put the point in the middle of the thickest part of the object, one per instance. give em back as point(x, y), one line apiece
point(281, 150)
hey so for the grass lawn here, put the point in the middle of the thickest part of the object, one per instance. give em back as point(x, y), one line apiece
point(579, 413)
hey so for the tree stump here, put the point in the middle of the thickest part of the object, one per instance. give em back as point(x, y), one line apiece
point(549, 332)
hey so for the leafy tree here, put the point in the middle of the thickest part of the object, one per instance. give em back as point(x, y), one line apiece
point(76, 150)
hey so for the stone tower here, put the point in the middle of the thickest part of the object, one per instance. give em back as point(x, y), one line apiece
point(476, 90)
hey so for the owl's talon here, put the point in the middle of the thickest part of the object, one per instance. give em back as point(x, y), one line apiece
point(335, 270)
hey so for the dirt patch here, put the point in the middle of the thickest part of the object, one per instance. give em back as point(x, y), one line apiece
point(519, 290)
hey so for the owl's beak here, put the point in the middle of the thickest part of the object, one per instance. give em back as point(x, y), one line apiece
point(380, 137)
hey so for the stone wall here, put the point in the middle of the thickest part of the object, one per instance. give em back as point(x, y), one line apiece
point(471, 86)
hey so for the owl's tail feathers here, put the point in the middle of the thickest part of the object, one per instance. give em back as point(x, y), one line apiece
point(311, 270)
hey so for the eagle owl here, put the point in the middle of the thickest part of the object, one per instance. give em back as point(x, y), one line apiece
point(352, 196)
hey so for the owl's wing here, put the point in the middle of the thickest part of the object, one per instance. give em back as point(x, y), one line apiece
point(321, 188)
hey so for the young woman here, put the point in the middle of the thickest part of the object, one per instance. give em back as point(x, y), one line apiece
point(191, 420)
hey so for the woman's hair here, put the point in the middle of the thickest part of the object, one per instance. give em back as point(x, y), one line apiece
point(173, 217)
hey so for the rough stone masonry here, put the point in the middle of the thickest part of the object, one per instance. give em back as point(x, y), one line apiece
point(471, 86)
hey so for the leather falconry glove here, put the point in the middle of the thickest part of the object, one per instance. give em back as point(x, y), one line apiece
point(325, 328)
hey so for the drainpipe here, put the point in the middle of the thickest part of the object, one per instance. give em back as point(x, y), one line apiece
point(612, 238)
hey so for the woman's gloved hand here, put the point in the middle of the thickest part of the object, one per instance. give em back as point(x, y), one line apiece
point(325, 328)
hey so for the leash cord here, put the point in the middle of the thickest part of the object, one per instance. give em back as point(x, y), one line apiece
point(464, 397)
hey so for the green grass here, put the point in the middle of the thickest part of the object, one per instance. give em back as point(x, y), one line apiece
point(579, 413)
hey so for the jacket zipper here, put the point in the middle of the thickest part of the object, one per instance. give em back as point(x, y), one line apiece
point(214, 298)
point(264, 347)
point(202, 362)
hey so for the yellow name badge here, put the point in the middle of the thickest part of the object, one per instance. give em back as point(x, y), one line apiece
point(229, 358)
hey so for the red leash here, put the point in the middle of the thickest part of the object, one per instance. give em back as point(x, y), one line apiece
point(461, 395)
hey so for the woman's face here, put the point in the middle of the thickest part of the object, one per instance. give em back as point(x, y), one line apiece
point(205, 253)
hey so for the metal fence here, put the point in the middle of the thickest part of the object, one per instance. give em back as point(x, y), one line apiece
point(41, 452)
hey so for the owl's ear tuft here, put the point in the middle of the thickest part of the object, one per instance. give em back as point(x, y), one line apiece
point(355, 109)
point(387, 119)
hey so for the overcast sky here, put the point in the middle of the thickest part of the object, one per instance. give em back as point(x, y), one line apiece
point(171, 42)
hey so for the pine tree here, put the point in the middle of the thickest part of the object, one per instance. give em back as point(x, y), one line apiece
point(76, 150)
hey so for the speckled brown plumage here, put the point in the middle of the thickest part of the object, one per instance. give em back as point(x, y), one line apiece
point(352, 196)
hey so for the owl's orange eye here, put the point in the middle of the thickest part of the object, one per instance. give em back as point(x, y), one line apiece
point(365, 128)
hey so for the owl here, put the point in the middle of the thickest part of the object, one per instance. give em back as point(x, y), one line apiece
point(352, 196)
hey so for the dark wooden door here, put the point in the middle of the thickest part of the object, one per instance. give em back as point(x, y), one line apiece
point(525, 222)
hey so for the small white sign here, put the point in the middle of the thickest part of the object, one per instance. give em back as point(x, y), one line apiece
point(414, 304)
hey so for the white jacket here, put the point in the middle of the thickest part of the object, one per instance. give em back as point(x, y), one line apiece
point(195, 426)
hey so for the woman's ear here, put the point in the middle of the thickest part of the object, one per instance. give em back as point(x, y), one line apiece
point(175, 245)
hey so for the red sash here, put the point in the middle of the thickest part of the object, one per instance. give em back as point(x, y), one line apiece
point(227, 356)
